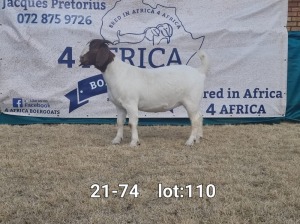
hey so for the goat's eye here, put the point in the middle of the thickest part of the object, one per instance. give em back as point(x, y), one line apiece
point(85, 50)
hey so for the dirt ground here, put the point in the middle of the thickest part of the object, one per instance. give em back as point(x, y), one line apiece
point(237, 174)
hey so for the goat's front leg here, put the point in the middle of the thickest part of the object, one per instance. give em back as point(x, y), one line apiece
point(120, 123)
point(133, 122)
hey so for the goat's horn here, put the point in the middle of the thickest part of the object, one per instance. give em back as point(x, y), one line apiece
point(107, 42)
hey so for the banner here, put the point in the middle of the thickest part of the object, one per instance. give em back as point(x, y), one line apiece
point(41, 41)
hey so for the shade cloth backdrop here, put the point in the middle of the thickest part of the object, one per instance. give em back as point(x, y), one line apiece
point(246, 42)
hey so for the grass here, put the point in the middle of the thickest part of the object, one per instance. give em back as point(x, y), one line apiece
point(46, 174)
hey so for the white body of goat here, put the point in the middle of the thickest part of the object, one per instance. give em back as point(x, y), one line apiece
point(155, 90)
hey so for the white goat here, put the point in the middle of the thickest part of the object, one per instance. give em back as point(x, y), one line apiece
point(151, 90)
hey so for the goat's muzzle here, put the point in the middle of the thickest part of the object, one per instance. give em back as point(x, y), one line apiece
point(83, 61)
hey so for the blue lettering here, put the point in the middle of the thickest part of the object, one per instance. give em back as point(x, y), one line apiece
point(129, 54)
point(243, 109)
point(129, 58)
point(151, 57)
point(142, 50)
point(177, 59)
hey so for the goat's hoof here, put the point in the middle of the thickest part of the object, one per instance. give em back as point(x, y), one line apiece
point(116, 141)
point(188, 143)
point(134, 143)
point(191, 142)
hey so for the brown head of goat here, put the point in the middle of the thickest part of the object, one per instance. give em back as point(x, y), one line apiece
point(97, 54)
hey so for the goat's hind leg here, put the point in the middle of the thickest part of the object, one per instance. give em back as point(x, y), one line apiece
point(196, 122)
point(120, 123)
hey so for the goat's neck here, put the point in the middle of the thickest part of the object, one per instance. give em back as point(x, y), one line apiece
point(115, 70)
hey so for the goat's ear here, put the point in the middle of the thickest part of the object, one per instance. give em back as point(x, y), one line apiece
point(102, 56)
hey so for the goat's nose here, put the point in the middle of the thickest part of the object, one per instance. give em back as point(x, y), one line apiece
point(81, 60)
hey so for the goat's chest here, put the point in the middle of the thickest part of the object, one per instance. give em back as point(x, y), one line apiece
point(122, 96)
point(114, 98)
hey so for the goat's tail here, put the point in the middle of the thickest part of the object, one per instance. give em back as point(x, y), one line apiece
point(204, 60)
